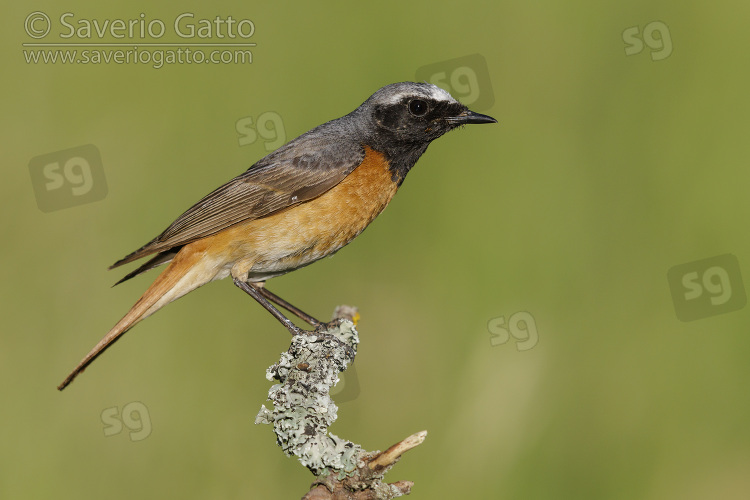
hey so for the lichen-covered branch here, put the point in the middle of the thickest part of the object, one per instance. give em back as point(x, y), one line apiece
point(303, 410)
point(302, 407)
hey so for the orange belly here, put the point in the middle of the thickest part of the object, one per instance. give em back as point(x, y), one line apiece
point(297, 236)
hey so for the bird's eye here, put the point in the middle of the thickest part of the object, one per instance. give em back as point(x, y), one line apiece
point(418, 107)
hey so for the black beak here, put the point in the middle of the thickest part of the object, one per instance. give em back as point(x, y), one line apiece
point(470, 117)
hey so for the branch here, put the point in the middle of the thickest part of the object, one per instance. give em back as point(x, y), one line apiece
point(303, 410)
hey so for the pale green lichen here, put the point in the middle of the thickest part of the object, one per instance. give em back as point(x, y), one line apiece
point(302, 407)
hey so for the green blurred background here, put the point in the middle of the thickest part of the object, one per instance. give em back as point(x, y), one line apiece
point(605, 171)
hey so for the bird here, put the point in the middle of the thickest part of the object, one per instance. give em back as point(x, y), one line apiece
point(298, 204)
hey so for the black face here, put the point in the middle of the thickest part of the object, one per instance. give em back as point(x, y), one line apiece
point(400, 120)
point(416, 118)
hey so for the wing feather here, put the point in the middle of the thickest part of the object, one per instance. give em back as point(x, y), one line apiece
point(301, 170)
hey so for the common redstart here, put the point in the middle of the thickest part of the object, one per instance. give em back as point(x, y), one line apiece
point(297, 205)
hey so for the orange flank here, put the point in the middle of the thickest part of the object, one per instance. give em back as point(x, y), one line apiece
point(302, 234)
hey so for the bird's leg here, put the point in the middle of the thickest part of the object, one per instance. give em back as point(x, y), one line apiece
point(289, 307)
point(255, 293)
point(259, 294)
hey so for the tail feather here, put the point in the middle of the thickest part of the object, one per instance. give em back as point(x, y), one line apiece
point(181, 276)
point(160, 259)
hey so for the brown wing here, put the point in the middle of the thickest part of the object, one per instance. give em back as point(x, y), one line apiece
point(301, 170)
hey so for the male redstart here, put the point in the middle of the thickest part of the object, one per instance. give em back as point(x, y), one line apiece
point(297, 205)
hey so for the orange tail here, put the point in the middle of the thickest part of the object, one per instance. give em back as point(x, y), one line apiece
point(185, 273)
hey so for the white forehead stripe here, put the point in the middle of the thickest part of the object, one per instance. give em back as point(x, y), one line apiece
point(439, 94)
point(429, 91)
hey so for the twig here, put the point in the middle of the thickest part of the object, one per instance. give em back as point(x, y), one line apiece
point(303, 410)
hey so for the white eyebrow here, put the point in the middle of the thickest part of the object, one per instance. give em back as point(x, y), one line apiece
point(439, 94)
point(433, 92)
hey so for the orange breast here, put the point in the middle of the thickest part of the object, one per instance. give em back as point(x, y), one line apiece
point(302, 234)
